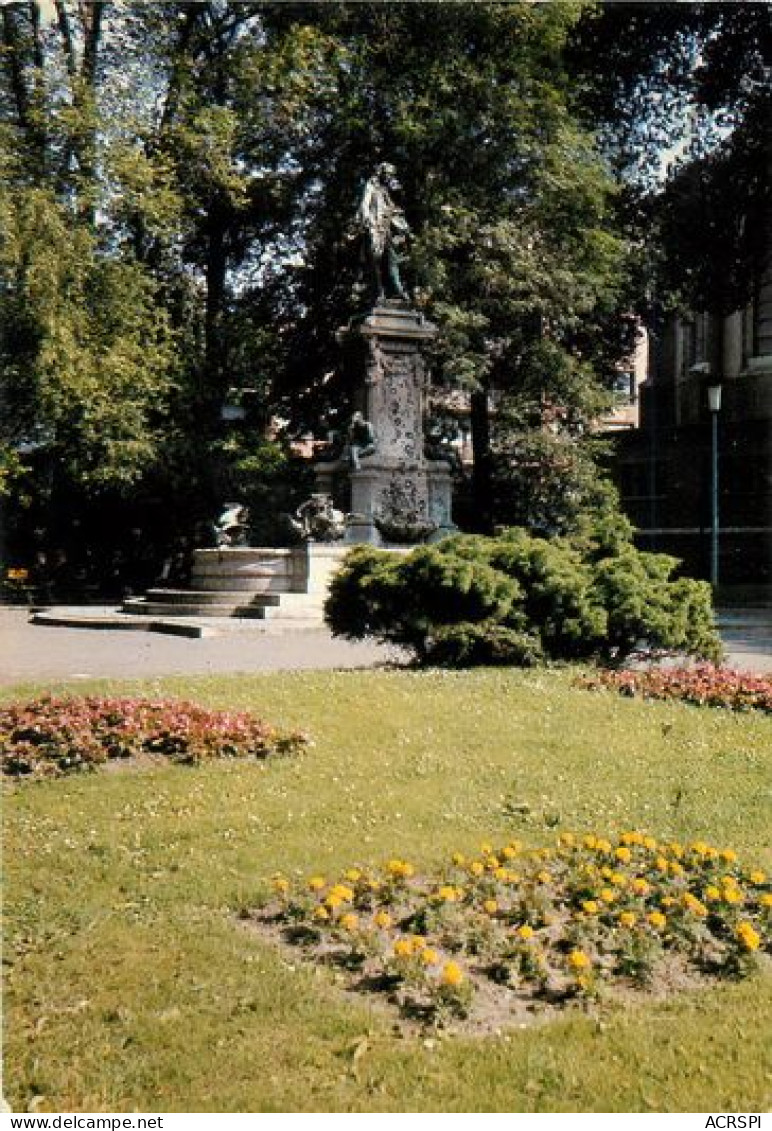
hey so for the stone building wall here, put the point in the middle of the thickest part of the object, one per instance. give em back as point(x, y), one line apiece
point(664, 465)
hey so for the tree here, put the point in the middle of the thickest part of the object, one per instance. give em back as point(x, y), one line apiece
point(206, 160)
point(146, 189)
point(517, 244)
point(684, 98)
point(87, 354)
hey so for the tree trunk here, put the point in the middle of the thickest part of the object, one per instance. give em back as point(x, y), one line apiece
point(482, 471)
point(216, 275)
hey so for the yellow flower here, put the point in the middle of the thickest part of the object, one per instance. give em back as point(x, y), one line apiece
point(452, 974)
point(508, 852)
point(695, 905)
point(525, 932)
point(476, 868)
point(618, 879)
point(757, 877)
point(490, 906)
point(590, 906)
point(699, 848)
point(675, 848)
point(667, 901)
point(418, 942)
point(732, 895)
point(458, 859)
point(567, 839)
point(352, 875)
point(603, 845)
point(590, 841)
point(503, 875)
point(486, 849)
point(624, 855)
point(492, 863)
point(766, 899)
point(661, 864)
point(341, 892)
point(429, 956)
point(627, 918)
point(578, 960)
point(608, 895)
point(280, 885)
point(748, 937)
point(712, 893)
point(403, 948)
point(316, 883)
point(401, 869)
point(544, 877)
point(640, 886)
point(447, 894)
point(650, 843)
point(321, 914)
point(657, 920)
point(333, 901)
point(675, 868)
point(382, 919)
point(728, 855)
point(349, 921)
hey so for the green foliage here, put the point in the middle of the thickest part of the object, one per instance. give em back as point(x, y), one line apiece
point(522, 599)
point(488, 643)
point(87, 354)
point(431, 587)
point(644, 604)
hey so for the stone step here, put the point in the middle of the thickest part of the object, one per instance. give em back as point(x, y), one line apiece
point(193, 609)
point(236, 583)
point(211, 597)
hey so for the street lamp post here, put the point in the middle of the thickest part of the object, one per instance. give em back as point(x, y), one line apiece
point(714, 404)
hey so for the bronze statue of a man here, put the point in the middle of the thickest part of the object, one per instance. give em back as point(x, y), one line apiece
point(385, 231)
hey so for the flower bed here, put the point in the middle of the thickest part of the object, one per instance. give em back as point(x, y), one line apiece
point(51, 736)
point(703, 684)
point(529, 929)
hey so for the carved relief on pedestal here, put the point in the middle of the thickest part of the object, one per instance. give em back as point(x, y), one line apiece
point(397, 410)
point(396, 496)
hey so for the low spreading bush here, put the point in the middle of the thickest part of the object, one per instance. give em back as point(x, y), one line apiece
point(520, 599)
point(51, 736)
point(703, 684)
point(543, 926)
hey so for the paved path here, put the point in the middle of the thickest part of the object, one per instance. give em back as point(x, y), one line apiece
point(38, 652)
point(41, 653)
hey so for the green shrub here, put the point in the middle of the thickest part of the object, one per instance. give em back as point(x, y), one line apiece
point(489, 643)
point(520, 599)
point(406, 599)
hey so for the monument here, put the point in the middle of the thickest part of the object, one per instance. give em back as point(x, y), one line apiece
point(381, 488)
point(391, 491)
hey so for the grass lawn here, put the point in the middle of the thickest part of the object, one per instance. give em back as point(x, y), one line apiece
point(131, 986)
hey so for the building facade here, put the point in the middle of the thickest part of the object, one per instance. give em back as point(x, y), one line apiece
point(665, 465)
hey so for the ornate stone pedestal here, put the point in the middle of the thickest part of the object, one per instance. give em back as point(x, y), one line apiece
point(397, 495)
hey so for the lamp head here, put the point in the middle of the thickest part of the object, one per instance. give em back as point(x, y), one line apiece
point(714, 398)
